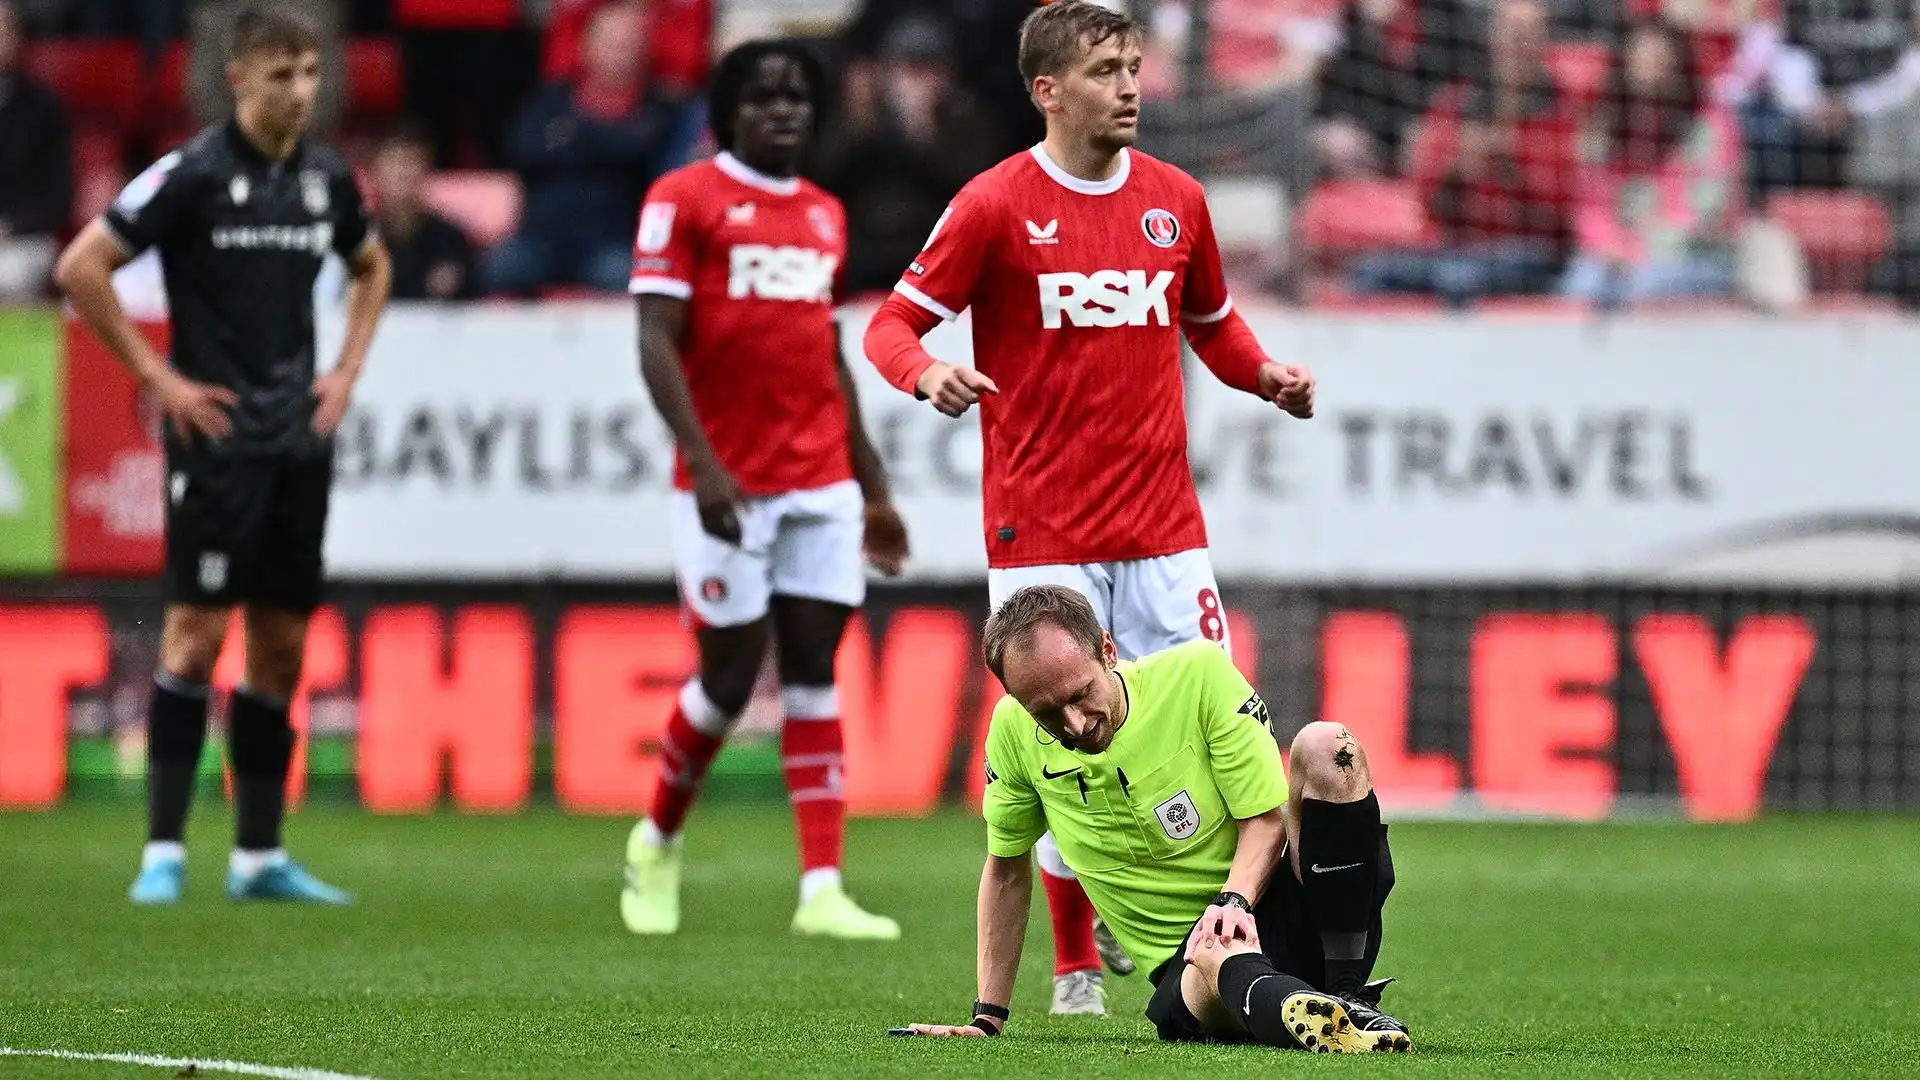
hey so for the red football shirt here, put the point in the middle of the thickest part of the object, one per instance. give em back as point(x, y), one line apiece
point(1078, 290)
point(758, 259)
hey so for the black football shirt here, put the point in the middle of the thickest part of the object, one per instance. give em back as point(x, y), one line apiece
point(241, 238)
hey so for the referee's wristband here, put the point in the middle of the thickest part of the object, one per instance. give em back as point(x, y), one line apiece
point(996, 1014)
point(1231, 899)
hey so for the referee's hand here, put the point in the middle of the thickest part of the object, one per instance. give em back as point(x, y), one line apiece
point(1221, 925)
point(944, 1031)
point(193, 407)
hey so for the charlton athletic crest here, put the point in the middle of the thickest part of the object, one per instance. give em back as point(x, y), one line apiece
point(1161, 227)
point(313, 192)
point(1178, 816)
point(822, 222)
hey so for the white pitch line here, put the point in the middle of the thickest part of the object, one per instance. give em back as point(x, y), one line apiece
point(273, 1072)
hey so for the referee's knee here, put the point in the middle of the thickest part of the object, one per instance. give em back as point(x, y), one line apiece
point(1328, 762)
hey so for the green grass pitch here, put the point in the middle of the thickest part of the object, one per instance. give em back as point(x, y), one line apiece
point(491, 947)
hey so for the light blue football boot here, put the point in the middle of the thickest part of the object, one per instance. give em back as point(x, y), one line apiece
point(284, 881)
point(159, 883)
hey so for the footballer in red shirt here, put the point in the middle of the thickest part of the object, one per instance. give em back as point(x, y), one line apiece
point(1083, 261)
point(737, 268)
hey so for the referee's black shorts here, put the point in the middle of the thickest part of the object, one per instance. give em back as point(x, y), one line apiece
point(1288, 936)
point(246, 529)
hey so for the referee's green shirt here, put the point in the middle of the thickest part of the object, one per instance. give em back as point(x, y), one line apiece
point(1148, 824)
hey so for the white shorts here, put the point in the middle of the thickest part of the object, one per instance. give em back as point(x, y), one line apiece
point(799, 543)
point(1146, 604)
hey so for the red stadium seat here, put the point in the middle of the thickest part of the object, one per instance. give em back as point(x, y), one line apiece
point(1843, 233)
point(1347, 217)
point(373, 76)
point(485, 204)
point(1580, 68)
point(99, 79)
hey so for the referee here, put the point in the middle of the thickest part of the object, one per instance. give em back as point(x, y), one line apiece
point(243, 217)
point(1162, 782)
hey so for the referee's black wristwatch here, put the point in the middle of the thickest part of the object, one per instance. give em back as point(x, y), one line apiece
point(988, 1018)
point(1231, 899)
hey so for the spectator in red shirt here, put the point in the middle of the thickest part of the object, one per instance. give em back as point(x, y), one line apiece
point(1495, 167)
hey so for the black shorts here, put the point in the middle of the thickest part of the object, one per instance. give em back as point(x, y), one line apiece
point(1288, 936)
point(246, 529)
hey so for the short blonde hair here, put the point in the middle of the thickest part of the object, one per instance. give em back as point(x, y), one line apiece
point(1014, 622)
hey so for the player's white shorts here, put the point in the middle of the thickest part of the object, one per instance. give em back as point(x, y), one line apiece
point(803, 543)
point(1146, 604)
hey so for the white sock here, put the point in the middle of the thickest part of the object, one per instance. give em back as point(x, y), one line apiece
point(813, 882)
point(249, 863)
point(162, 851)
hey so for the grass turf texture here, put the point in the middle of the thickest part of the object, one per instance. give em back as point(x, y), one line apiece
point(491, 947)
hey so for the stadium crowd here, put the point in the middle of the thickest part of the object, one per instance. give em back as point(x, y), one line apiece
point(1400, 153)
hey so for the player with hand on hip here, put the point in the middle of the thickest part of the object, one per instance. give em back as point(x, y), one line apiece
point(1084, 260)
point(1255, 888)
point(737, 267)
point(243, 217)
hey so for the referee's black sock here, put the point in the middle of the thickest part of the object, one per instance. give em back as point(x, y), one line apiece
point(1253, 991)
point(260, 746)
point(176, 732)
point(1339, 856)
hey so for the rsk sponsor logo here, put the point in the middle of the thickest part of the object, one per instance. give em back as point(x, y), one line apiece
point(780, 273)
point(1104, 298)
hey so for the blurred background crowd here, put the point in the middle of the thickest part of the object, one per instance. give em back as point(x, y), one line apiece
point(1529, 155)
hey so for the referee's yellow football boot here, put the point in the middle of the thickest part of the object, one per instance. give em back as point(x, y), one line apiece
point(1326, 1024)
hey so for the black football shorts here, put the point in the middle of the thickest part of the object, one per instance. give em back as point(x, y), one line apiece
point(246, 529)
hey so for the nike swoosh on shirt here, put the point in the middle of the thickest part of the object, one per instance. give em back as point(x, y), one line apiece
point(1318, 869)
point(1056, 775)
